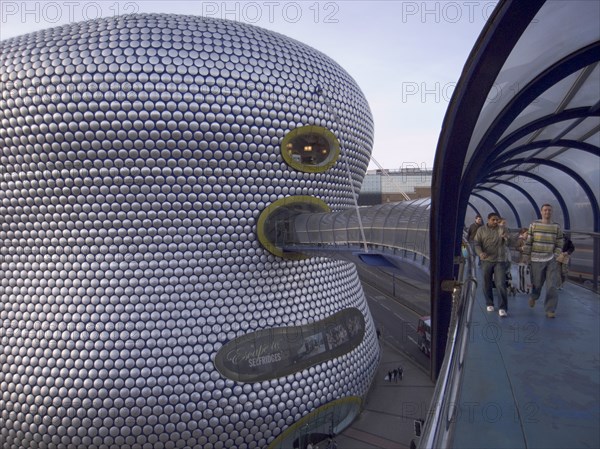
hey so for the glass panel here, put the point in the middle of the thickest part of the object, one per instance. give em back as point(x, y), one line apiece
point(410, 211)
point(595, 138)
point(480, 207)
point(563, 183)
point(517, 200)
point(469, 216)
point(586, 166)
point(423, 235)
point(587, 127)
point(399, 235)
point(544, 105)
point(326, 228)
point(588, 91)
point(521, 141)
point(301, 229)
point(413, 241)
point(555, 130)
point(547, 46)
point(341, 229)
point(351, 220)
point(390, 224)
point(378, 230)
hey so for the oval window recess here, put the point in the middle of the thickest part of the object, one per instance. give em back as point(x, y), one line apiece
point(274, 227)
point(311, 149)
point(318, 425)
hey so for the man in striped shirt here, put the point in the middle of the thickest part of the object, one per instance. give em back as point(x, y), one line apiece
point(543, 245)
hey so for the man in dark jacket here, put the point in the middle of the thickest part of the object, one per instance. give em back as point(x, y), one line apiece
point(563, 260)
point(472, 231)
point(490, 246)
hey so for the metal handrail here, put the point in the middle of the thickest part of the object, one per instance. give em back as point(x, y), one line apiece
point(438, 429)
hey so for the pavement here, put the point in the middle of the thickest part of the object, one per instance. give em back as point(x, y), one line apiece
point(390, 409)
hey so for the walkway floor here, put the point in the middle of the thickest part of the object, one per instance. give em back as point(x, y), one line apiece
point(531, 381)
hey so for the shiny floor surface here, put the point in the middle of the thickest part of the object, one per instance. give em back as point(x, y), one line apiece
point(532, 381)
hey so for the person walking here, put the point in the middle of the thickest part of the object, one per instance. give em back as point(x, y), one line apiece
point(543, 245)
point(472, 231)
point(563, 260)
point(331, 443)
point(504, 231)
point(524, 268)
point(490, 246)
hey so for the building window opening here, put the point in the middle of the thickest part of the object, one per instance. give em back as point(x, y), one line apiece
point(312, 149)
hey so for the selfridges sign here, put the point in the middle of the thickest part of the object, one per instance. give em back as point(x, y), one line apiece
point(276, 352)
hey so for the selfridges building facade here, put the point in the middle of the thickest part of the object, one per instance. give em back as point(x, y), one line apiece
point(138, 307)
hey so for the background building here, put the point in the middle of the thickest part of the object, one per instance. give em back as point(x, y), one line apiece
point(388, 186)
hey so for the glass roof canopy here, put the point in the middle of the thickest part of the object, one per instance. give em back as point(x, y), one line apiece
point(522, 129)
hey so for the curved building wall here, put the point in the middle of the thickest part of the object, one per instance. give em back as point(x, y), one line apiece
point(136, 155)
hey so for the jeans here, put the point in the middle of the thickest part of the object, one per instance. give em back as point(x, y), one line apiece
point(545, 272)
point(497, 271)
point(563, 271)
point(475, 256)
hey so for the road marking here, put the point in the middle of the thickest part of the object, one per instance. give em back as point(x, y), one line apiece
point(372, 439)
point(401, 318)
point(382, 300)
point(386, 307)
point(394, 313)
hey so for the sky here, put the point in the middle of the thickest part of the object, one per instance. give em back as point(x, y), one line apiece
point(406, 56)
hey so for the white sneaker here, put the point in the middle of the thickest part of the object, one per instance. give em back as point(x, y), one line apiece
point(490, 308)
point(502, 313)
